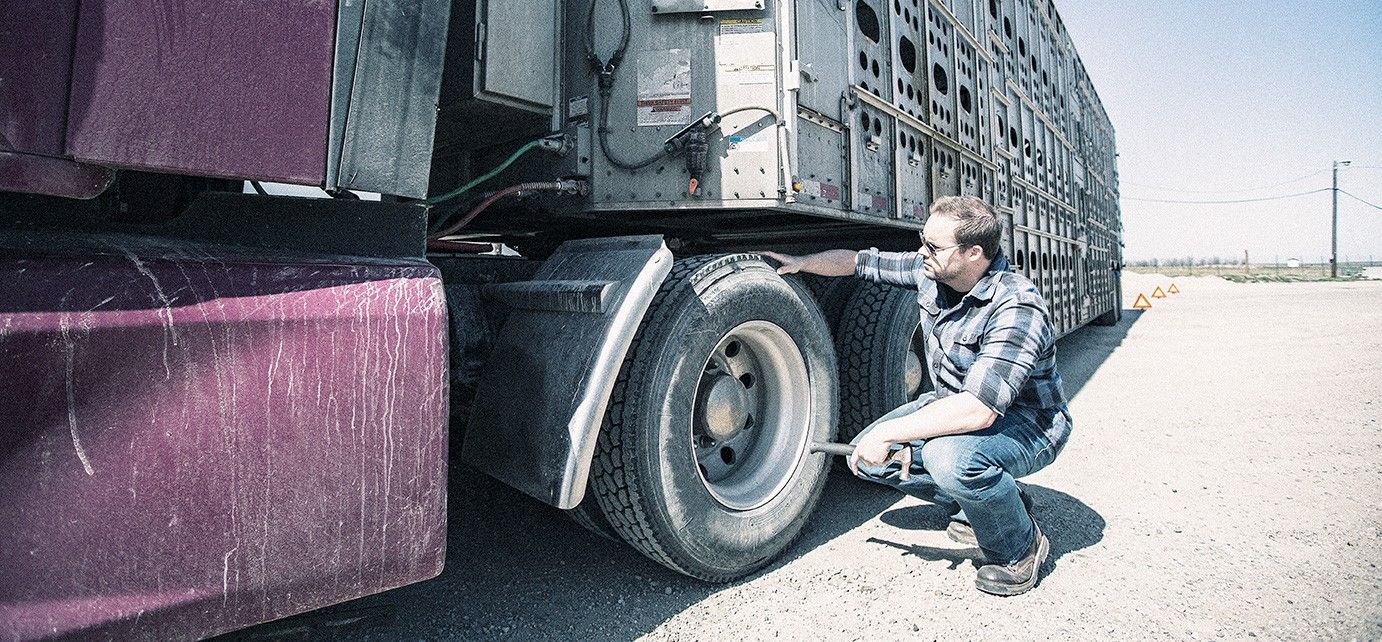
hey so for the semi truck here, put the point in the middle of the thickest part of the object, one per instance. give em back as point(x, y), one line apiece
point(532, 251)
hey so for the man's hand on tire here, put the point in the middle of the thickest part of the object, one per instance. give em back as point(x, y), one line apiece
point(789, 264)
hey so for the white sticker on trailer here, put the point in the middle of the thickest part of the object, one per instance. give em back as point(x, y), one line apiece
point(578, 108)
point(664, 87)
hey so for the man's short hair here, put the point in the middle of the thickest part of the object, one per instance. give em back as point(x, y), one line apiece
point(978, 225)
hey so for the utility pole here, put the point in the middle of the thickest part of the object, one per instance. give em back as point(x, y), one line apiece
point(1334, 226)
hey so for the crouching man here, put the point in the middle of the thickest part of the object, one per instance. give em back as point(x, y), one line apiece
point(998, 411)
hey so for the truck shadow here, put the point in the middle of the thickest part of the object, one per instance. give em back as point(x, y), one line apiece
point(1080, 353)
point(519, 569)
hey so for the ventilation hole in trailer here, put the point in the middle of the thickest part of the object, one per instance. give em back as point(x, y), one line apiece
point(897, 7)
point(878, 126)
point(1021, 47)
point(993, 9)
point(939, 78)
point(965, 103)
point(863, 61)
point(935, 109)
point(1045, 261)
point(1012, 137)
point(864, 120)
point(907, 16)
point(1027, 148)
point(902, 139)
point(899, 87)
point(1007, 28)
point(874, 66)
point(1034, 63)
point(867, 20)
point(1034, 258)
point(911, 93)
point(908, 53)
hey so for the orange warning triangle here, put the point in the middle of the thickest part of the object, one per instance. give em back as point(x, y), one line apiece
point(1173, 289)
point(1142, 303)
point(1158, 294)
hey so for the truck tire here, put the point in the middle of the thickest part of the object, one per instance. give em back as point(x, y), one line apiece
point(590, 517)
point(702, 463)
point(882, 355)
point(831, 294)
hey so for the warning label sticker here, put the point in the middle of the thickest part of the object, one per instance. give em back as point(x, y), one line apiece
point(664, 87)
point(730, 26)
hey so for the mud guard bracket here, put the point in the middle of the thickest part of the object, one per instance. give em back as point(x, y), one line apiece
point(538, 409)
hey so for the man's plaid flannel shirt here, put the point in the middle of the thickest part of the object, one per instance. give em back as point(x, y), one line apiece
point(994, 342)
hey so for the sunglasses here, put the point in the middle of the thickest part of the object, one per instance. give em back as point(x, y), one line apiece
point(932, 248)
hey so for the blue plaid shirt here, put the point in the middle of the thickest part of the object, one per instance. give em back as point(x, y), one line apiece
point(994, 341)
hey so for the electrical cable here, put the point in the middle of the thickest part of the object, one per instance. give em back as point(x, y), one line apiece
point(552, 186)
point(1373, 205)
point(1225, 191)
point(736, 110)
point(606, 70)
point(603, 134)
point(1241, 200)
point(486, 176)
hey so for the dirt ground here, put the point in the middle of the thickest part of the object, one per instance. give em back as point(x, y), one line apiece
point(1224, 480)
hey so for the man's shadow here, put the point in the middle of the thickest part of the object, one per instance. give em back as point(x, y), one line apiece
point(1066, 521)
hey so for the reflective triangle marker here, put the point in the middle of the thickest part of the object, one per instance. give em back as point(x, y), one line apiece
point(1142, 303)
point(1173, 289)
point(1158, 294)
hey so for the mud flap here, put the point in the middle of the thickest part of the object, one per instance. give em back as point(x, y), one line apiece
point(538, 409)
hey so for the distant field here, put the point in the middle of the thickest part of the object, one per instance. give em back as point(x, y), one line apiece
point(1259, 272)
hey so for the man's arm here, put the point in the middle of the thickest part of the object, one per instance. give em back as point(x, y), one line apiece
point(827, 263)
point(952, 415)
point(902, 269)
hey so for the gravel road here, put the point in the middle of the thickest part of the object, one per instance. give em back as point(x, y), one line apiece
point(1224, 480)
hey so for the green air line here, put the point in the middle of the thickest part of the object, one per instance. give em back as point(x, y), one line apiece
point(491, 174)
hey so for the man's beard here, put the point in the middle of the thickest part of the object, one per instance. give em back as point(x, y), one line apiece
point(939, 274)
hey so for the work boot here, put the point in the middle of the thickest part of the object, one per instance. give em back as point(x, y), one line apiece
point(962, 533)
point(1020, 576)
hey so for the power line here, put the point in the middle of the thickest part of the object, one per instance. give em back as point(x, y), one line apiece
point(1241, 200)
point(1223, 191)
point(1360, 200)
point(1239, 190)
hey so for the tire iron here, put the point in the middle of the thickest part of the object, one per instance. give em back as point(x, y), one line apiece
point(903, 456)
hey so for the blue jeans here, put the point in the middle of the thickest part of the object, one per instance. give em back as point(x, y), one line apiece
point(972, 475)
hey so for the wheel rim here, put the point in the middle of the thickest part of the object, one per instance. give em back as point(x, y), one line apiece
point(751, 415)
point(914, 373)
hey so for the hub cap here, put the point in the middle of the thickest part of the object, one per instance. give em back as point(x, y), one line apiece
point(752, 415)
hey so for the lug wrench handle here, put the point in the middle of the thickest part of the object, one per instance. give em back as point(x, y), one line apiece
point(903, 456)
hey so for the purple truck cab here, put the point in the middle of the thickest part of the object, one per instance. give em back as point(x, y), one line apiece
point(209, 428)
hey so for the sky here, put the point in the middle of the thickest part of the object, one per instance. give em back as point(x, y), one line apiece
point(1239, 100)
